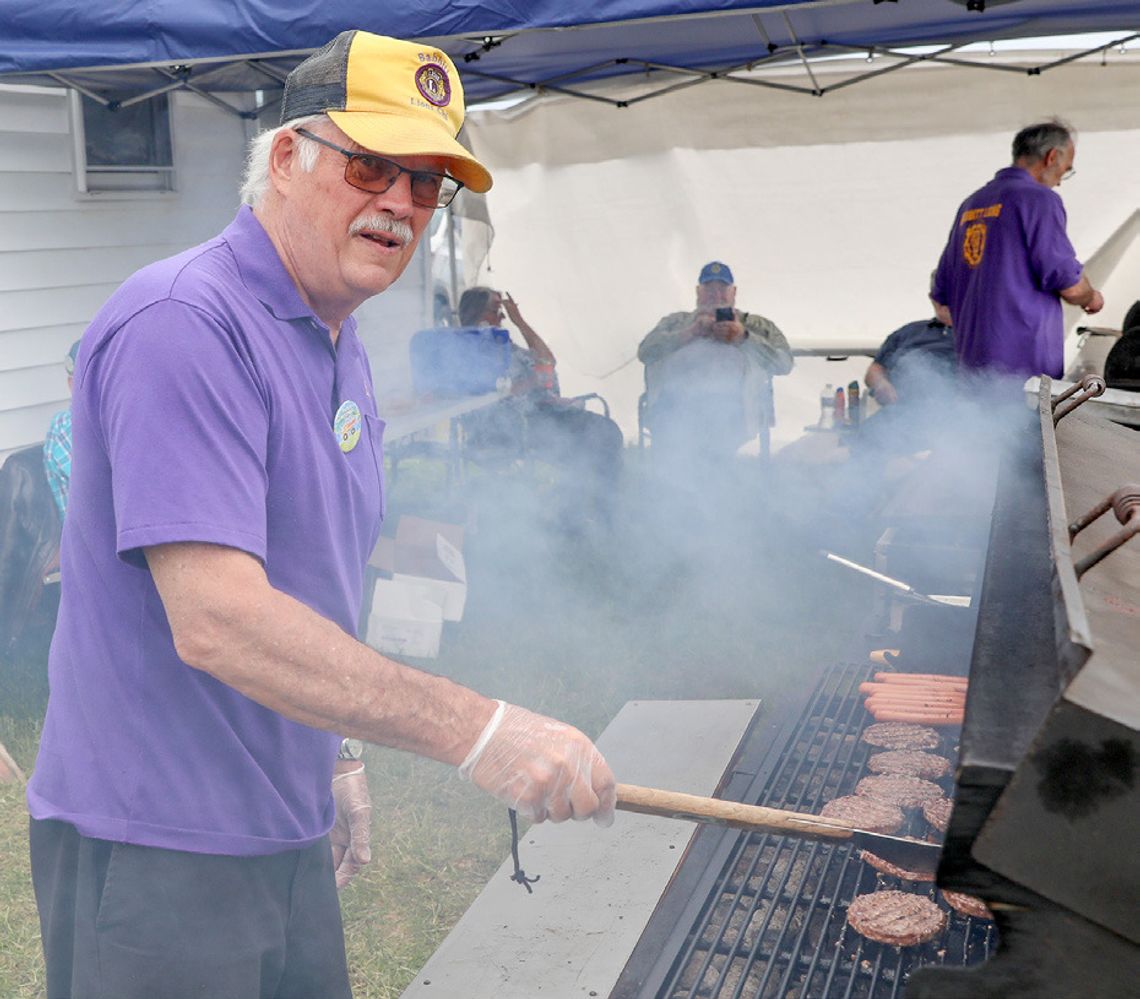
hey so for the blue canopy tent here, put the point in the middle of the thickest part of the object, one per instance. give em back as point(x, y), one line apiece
point(123, 52)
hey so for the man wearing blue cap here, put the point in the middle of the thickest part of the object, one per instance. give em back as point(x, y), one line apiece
point(706, 372)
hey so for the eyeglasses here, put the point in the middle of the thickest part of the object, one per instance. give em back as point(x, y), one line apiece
point(1069, 174)
point(374, 174)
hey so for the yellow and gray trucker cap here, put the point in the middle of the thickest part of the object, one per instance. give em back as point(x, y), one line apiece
point(389, 96)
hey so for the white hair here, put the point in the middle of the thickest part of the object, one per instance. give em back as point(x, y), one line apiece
point(256, 180)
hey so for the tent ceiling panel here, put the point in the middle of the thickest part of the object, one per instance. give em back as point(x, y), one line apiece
point(117, 51)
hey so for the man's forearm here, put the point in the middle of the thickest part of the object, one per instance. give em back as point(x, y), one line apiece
point(879, 384)
point(768, 345)
point(1080, 294)
point(535, 344)
point(665, 338)
point(280, 653)
point(875, 376)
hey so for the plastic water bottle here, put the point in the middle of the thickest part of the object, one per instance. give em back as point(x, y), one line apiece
point(840, 407)
point(827, 407)
point(853, 404)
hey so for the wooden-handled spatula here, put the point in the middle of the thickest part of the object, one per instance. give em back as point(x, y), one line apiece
point(912, 854)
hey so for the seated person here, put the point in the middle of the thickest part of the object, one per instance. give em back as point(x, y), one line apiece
point(706, 373)
point(910, 359)
point(588, 446)
point(913, 377)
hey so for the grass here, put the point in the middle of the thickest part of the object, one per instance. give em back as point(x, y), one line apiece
point(713, 597)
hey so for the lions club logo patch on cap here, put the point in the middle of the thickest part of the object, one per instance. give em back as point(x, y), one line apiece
point(433, 84)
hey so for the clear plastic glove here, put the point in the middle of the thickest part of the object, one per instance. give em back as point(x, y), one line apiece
point(352, 830)
point(540, 767)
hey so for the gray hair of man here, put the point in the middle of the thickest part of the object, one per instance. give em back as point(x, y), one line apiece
point(255, 182)
point(1032, 143)
point(473, 304)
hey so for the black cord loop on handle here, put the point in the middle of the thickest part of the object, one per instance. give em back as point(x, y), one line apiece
point(519, 877)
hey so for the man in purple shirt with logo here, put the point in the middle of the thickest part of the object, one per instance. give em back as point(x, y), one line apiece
point(227, 490)
point(1008, 263)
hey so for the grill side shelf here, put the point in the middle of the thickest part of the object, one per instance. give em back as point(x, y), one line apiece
point(760, 751)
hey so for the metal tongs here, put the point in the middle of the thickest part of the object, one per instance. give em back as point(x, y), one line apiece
point(938, 599)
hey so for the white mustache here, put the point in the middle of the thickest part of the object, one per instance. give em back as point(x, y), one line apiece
point(382, 223)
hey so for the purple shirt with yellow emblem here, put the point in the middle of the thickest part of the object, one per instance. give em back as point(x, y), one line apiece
point(1006, 260)
point(206, 393)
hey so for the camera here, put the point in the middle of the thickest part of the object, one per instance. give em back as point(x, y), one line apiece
point(725, 314)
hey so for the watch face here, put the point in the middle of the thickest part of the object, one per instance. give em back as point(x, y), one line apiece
point(351, 749)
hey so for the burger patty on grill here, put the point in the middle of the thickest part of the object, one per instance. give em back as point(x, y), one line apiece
point(896, 917)
point(870, 814)
point(901, 735)
point(886, 867)
point(967, 905)
point(937, 812)
point(906, 792)
point(909, 763)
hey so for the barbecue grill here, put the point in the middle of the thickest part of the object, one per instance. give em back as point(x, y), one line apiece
point(1046, 797)
point(1048, 804)
point(1045, 782)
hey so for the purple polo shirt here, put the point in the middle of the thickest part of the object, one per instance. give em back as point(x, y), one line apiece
point(1006, 260)
point(205, 395)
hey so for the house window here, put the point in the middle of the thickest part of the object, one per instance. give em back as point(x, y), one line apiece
point(125, 150)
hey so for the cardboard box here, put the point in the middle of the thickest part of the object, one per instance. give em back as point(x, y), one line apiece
point(429, 554)
point(405, 620)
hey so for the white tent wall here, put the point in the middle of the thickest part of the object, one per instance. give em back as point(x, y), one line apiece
point(832, 212)
point(1115, 269)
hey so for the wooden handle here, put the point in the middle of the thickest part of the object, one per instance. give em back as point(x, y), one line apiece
point(675, 805)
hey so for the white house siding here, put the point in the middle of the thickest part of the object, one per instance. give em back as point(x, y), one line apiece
point(62, 253)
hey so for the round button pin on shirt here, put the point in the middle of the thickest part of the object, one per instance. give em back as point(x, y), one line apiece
point(346, 425)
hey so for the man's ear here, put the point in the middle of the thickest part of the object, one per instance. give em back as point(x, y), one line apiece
point(283, 162)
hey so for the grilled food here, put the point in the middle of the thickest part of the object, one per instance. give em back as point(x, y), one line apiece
point(886, 867)
point(967, 905)
point(901, 735)
point(906, 792)
point(937, 812)
point(909, 763)
point(896, 917)
point(870, 814)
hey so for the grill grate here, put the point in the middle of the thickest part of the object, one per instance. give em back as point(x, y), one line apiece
point(774, 924)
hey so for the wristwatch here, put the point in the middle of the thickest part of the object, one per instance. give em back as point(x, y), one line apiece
point(350, 749)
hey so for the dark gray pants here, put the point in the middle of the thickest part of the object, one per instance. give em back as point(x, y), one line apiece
point(133, 922)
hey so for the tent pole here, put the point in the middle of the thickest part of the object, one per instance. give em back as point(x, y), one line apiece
point(97, 98)
point(1088, 52)
point(454, 271)
point(803, 58)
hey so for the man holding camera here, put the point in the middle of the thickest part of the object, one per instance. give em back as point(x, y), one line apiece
point(707, 371)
